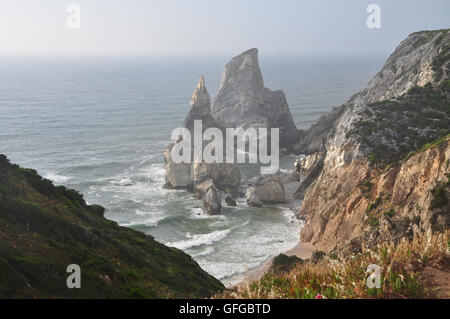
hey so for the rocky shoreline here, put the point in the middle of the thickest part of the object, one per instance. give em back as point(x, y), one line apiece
point(242, 102)
point(375, 170)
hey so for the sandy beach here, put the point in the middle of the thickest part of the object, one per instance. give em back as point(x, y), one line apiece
point(302, 250)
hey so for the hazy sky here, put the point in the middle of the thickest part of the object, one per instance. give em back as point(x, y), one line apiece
point(213, 27)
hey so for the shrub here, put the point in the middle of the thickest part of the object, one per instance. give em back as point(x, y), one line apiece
point(389, 213)
point(375, 204)
point(317, 255)
point(439, 198)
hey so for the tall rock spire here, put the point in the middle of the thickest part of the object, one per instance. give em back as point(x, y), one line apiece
point(200, 108)
point(200, 101)
point(243, 101)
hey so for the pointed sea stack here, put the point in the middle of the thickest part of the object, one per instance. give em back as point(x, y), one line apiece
point(200, 108)
point(243, 101)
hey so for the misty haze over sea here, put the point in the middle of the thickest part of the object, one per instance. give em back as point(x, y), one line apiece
point(100, 125)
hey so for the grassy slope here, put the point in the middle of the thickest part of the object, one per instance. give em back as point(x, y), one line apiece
point(416, 269)
point(44, 228)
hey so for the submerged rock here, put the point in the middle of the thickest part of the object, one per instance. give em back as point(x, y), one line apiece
point(230, 201)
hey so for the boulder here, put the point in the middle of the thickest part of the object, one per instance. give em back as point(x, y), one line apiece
point(230, 201)
point(252, 197)
point(268, 189)
point(224, 175)
point(211, 200)
point(271, 192)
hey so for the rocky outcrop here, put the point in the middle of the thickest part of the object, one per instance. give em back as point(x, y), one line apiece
point(252, 197)
point(420, 59)
point(314, 139)
point(200, 108)
point(356, 199)
point(370, 122)
point(273, 189)
point(243, 101)
point(310, 170)
point(230, 201)
point(195, 176)
point(212, 200)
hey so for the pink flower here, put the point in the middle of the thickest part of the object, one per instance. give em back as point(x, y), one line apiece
point(319, 296)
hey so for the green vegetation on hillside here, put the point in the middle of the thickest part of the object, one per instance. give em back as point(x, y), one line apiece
point(391, 129)
point(43, 229)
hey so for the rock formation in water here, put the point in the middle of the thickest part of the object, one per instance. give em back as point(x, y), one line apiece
point(368, 189)
point(200, 108)
point(243, 101)
point(273, 189)
point(206, 180)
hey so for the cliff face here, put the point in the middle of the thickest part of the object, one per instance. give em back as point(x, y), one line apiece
point(405, 106)
point(420, 59)
point(43, 229)
point(362, 205)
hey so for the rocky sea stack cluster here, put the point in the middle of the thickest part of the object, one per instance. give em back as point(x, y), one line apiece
point(242, 102)
point(204, 179)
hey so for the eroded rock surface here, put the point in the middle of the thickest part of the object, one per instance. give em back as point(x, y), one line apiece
point(243, 101)
point(357, 199)
point(193, 176)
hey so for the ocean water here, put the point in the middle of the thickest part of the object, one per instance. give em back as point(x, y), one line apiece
point(99, 126)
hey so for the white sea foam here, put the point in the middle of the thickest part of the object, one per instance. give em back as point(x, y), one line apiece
point(149, 222)
point(156, 172)
point(146, 158)
point(200, 239)
point(124, 182)
point(229, 272)
point(199, 213)
point(257, 247)
point(56, 178)
point(207, 252)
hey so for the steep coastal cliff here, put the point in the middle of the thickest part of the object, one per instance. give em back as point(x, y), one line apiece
point(359, 206)
point(376, 187)
point(358, 200)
